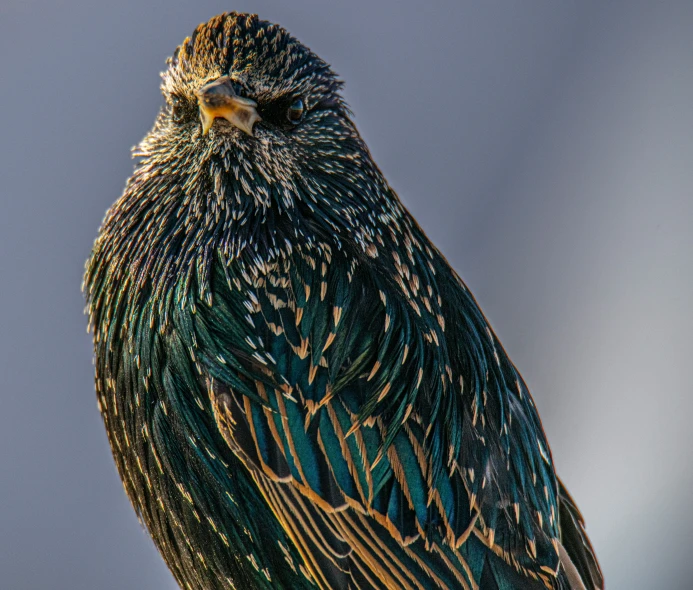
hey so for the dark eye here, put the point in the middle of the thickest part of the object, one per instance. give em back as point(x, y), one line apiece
point(295, 111)
point(178, 109)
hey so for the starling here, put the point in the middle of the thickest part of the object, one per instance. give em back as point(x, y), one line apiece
point(299, 391)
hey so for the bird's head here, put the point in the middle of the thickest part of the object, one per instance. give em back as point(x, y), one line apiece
point(244, 71)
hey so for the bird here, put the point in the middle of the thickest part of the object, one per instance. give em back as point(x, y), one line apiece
point(298, 390)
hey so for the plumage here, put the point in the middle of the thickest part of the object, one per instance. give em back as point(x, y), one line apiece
point(298, 390)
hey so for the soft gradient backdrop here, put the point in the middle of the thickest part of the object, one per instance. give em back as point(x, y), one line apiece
point(547, 149)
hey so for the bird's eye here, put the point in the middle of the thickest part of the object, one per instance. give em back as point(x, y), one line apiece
point(295, 111)
point(177, 109)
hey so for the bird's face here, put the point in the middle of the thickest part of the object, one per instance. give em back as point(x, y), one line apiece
point(247, 105)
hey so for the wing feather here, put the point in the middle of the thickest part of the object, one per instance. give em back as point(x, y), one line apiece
point(334, 409)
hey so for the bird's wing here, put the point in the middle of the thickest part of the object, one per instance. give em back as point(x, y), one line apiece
point(576, 543)
point(300, 363)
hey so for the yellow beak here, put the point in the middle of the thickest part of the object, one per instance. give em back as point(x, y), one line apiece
point(219, 99)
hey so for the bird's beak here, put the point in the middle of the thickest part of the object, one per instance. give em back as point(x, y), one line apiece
point(219, 99)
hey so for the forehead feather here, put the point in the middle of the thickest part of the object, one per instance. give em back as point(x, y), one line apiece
point(262, 55)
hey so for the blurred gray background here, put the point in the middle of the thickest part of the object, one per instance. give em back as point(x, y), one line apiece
point(546, 147)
